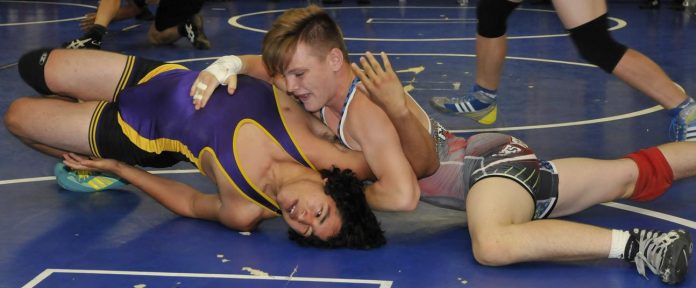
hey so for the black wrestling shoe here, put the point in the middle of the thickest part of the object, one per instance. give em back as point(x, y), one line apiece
point(665, 254)
point(84, 42)
point(193, 31)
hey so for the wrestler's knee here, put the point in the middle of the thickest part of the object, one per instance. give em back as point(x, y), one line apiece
point(489, 247)
point(31, 68)
point(15, 115)
point(596, 45)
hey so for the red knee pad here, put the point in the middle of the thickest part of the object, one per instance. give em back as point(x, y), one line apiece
point(654, 174)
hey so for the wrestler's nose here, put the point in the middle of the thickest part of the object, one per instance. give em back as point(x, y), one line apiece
point(291, 84)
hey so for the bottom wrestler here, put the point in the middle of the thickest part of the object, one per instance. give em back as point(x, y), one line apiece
point(260, 149)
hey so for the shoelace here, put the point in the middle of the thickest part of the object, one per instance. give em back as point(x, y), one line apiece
point(654, 246)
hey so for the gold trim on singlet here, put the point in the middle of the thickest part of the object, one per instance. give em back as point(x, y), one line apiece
point(125, 75)
point(92, 134)
point(161, 69)
point(156, 145)
point(285, 124)
point(241, 169)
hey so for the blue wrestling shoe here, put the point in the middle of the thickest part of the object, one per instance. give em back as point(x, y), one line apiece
point(479, 104)
point(85, 181)
point(683, 126)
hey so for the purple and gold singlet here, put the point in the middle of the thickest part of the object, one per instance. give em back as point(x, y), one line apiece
point(158, 116)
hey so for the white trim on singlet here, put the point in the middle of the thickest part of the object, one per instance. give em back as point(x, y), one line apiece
point(430, 125)
point(341, 134)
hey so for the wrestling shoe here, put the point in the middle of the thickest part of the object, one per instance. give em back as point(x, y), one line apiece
point(683, 126)
point(85, 181)
point(84, 42)
point(479, 105)
point(665, 254)
point(193, 31)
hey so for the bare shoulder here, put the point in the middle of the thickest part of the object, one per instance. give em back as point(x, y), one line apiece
point(242, 216)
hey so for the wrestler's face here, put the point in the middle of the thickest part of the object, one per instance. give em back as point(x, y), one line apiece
point(308, 210)
point(310, 77)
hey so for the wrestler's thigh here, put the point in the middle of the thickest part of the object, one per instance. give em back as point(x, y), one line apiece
point(84, 74)
point(574, 13)
point(585, 182)
point(495, 202)
point(54, 122)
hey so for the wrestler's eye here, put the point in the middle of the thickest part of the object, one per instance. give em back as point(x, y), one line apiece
point(319, 213)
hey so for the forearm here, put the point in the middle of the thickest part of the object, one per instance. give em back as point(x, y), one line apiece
point(252, 65)
point(416, 142)
point(390, 197)
point(173, 195)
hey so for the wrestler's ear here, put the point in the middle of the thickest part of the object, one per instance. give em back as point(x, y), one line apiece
point(335, 59)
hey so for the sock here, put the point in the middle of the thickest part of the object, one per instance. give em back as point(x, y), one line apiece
point(487, 92)
point(675, 111)
point(622, 245)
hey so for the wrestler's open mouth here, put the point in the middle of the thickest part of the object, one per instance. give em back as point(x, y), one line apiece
point(292, 208)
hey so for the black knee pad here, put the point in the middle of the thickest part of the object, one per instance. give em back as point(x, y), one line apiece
point(31, 68)
point(595, 44)
point(492, 17)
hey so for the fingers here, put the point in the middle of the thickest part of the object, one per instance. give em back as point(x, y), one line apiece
point(364, 80)
point(373, 63)
point(202, 88)
point(232, 84)
point(385, 60)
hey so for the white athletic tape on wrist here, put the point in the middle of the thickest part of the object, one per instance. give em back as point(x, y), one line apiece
point(224, 67)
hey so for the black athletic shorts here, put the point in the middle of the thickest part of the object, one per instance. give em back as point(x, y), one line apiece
point(171, 13)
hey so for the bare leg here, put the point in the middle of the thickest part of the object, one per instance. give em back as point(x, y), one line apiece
point(490, 55)
point(51, 126)
point(84, 74)
point(166, 36)
point(106, 12)
point(499, 213)
point(634, 68)
point(578, 177)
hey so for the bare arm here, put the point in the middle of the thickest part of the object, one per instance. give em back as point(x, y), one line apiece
point(396, 188)
point(178, 197)
point(384, 89)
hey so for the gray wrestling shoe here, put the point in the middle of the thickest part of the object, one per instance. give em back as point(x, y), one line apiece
point(665, 254)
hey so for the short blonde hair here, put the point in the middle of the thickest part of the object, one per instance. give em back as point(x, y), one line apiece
point(310, 25)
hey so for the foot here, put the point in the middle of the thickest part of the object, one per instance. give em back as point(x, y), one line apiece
point(478, 105)
point(665, 254)
point(85, 181)
point(195, 34)
point(683, 126)
point(84, 42)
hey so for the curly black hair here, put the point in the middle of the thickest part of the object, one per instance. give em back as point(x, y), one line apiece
point(360, 229)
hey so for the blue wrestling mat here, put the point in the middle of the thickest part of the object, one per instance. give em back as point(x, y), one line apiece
point(549, 97)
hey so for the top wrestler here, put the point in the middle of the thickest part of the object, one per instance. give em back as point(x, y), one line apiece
point(497, 178)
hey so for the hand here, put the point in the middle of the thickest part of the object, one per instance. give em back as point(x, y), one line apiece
point(78, 162)
point(222, 72)
point(382, 86)
point(87, 22)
